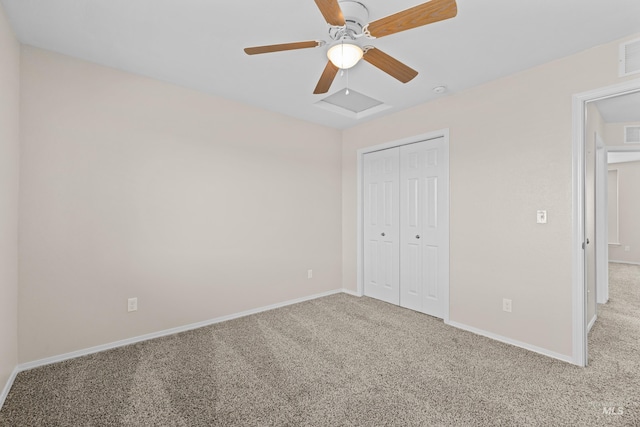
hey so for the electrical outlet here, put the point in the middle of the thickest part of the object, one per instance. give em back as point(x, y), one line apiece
point(132, 304)
point(627, 248)
point(506, 305)
point(309, 274)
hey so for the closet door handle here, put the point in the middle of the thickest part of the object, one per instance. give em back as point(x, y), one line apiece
point(417, 236)
point(382, 234)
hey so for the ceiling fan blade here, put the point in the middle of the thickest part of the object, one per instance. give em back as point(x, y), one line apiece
point(426, 13)
point(331, 11)
point(390, 65)
point(326, 78)
point(280, 47)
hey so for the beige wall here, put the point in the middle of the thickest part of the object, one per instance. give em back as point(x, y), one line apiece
point(510, 156)
point(199, 206)
point(594, 126)
point(628, 213)
point(9, 157)
point(614, 134)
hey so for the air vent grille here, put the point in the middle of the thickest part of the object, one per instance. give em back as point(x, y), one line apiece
point(632, 134)
point(630, 58)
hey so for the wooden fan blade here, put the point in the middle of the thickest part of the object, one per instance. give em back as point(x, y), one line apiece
point(426, 13)
point(331, 11)
point(280, 47)
point(326, 78)
point(390, 65)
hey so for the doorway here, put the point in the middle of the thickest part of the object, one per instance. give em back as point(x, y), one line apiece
point(613, 164)
point(583, 233)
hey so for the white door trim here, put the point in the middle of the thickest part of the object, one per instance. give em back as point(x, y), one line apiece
point(601, 225)
point(578, 211)
point(443, 133)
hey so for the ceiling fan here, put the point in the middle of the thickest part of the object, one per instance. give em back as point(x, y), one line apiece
point(349, 27)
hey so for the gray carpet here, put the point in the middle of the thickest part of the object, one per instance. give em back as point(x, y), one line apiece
point(342, 361)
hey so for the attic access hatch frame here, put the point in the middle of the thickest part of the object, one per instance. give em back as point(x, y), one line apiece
point(354, 105)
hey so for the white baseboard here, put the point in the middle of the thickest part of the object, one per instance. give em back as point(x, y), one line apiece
point(592, 322)
point(624, 262)
point(7, 386)
point(79, 353)
point(516, 343)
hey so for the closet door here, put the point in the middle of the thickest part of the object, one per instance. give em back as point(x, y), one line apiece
point(424, 227)
point(381, 225)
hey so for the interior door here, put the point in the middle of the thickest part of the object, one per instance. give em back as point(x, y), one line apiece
point(424, 227)
point(381, 225)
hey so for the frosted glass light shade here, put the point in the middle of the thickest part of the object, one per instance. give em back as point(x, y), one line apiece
point(345, 55)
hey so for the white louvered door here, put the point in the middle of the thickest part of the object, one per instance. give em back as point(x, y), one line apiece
point(406, 226)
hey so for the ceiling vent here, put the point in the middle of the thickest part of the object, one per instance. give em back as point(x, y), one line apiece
point(352, 104)
point(632, 134)
point(630, 58)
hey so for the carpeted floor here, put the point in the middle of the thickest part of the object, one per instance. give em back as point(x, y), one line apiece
point(343, 361)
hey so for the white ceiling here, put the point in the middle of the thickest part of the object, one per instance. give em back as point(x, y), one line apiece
point(198, 44)
point(621, 108)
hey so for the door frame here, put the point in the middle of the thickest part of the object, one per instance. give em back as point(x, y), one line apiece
point(601, 225)
point(579, 285)
point(442, 133)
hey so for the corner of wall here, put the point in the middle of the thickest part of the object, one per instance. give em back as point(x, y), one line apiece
point(9, 176)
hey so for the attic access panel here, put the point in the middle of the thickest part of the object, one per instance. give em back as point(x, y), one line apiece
point(354, 105)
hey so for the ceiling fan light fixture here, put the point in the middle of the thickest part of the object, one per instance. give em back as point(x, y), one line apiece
point(345, 55)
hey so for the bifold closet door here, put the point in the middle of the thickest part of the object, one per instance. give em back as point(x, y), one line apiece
point(406, 226)
point(381, 225)
point(424, 226)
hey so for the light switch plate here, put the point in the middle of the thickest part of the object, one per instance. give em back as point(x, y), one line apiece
point(541, 217)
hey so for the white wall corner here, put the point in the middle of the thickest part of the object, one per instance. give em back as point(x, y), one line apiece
point(8, 385)
point(353, 293)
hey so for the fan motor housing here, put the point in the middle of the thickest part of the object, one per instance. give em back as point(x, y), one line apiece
point(356, 17)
